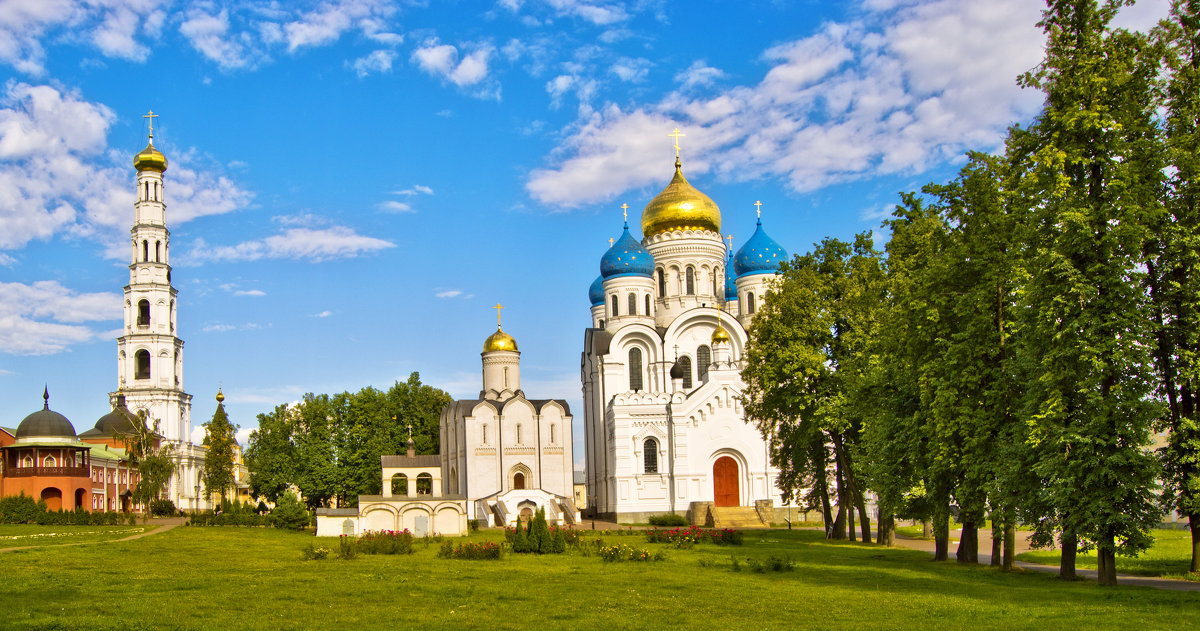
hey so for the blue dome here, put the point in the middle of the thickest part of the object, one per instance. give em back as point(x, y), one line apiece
point(760, 255)
point(730, 280)
point(626, 257)
point(596, 291)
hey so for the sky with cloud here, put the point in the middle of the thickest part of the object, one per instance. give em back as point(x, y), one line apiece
point(354, 184)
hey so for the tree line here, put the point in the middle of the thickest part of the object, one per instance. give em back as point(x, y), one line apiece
point(328, 446)
point(1027, 330)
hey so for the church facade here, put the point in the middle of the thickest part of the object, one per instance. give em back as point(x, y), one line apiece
point(665, 431)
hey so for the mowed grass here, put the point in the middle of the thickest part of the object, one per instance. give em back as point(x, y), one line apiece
point(205, 578)
point(1169, 557)
point(12, 536)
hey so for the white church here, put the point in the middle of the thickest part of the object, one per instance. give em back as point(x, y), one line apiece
point(665, 431)
point(150, 352)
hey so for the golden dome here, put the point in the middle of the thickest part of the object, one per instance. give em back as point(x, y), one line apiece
point(680, 207)
point(720, 336)
point(150, 159)
point(220, 396)
point(499, 341)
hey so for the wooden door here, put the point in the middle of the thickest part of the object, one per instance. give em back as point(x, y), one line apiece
point(725, 482)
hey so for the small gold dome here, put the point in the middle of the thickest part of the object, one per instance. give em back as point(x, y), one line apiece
point(680, 207)
point(150, 159)
point(499, 341)
point(220, 396)
point(720, 336)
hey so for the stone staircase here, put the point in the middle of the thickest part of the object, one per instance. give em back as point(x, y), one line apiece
point(735, 517)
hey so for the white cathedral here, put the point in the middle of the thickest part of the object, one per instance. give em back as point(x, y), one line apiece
point(150, 352)
point(665, 431)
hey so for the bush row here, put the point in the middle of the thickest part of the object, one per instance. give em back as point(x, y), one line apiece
point(473, 551)
point(690, 536)
point(22, 509)
point(668, 520)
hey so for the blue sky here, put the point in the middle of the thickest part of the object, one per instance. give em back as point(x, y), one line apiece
point(353, 184)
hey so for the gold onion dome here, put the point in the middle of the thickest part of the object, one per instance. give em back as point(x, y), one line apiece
point(499, 341)
point(720, 336)
point(680, 207)
point(150, 159)
point(220, 396)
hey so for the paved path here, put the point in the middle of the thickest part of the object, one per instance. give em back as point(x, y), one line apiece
point(985, 545)
point(159, 527)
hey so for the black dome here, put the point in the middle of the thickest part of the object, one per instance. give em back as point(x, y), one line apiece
point(678, 371)
point(119, 421)
point(46, 422)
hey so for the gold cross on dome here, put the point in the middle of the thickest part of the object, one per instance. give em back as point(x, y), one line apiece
point(758, 209)
point(151, 116)
point(730, 238)
point(676, 135)
point(611, 241)
point(625, 211)
point(498, 307)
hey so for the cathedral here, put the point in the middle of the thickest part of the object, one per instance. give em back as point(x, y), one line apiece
point(665, 431)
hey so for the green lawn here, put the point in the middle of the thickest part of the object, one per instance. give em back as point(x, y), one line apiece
point(12, 536)
point(205, 578)
point(1170, 557)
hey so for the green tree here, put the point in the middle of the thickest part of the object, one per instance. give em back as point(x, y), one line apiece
point(154, 460)
point(1174, 266)
point(219, 438)
point(1090, 174)
point(270, 454)
point(808, 348)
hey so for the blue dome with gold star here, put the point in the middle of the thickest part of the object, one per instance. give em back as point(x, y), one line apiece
point(730, 280)
point(596, 291)
point(760, 255)
point(626, 257)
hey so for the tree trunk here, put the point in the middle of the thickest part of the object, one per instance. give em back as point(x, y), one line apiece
point(1066, 566)
point(1010, 543)
point(822, 477)
point(1194, 521)
point(839, 524)
point(844, 481)
point(941, 533)
point(926, 528)
point(1106, 563)
point(887, 528)
point(997, 538)
point(968, 543)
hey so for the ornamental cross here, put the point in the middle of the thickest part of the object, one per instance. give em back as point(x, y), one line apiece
point(498, 307)
point(151, 115)
point(730, 238)
point(409, 431)
point(758, 209)
point(676, 135)
point(611, 241)
point(625, 212)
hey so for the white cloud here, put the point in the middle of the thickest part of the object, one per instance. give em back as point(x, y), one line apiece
point(58, 175)
point(210, 35)
point(393, 206)
point(308, 244)
point(597, 12)
point(225, 328)
point(325, 24)
point(112, 26)
point(250, 292)
point(378, 61)
point(7, 260)
point(415, 190)
point(631, 70)
point(449, 293)
point(323, 314)
point(878, 95)
point(45, 317)
point(699, 74)
point(468, 70)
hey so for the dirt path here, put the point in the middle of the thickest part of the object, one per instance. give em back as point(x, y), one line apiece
point(985, 558)
point(159, 527)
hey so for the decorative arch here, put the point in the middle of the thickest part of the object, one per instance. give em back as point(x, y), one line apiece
point(399, 484)
point(141, 360)
point(424, 484)
point(729, 469)
point(519, 477)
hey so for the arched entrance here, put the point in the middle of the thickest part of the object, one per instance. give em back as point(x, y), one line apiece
point(725, 482)
point(80, 497)
point(519, 481)
point(52, 497)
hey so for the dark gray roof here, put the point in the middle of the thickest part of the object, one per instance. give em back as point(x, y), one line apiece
point(432, 460)
point(45, 422)
point(119, 421)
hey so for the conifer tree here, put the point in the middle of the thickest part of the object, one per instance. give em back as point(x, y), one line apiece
point(520, 539)
point(218, 462)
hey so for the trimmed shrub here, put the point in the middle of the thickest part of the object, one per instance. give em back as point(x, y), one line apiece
point(21, 509)
point(668, 520)
point(539, 533)
point(289, 513)
point(161, 508)
point(520, 541)
point(473, 551)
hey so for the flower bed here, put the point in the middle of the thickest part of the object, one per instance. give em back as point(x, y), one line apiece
point(690, 536)
point(622, 552)
point(473, 551)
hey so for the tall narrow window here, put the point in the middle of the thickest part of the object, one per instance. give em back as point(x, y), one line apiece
point(142, 361)
point(690, 279)
point(650, 456)
point(703, 359)
point(485, 433)
point(750, 302)
point(635, 369)
point(614, 305)
point(143, 313)
point(686, 362)
point(157, 251)
point(518, 433)
point(518, 481)
point(147, 188)
point(715, 286)
point(647, 304)
point(145, 250)
point(662, 283)
point(553, 433)
point(632, 304)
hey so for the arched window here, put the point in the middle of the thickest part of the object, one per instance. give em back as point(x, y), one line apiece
point(484, 433)
point(635, 369)
point(703, 359)
point(157, 251)
point(424, 484)
point(750, 302)
point(691, 281)
point(49, 462)
point(553, 433)
point(662, 283)
point(142, 361)
point(518, 481)
point(632, 304)
point(614, 306)
point(650, 456)
point(399, 484)
point(518, 433)
point(143, 313)
point(145, 250)
point(686, 362)
point(716, 285)
point(147, 189)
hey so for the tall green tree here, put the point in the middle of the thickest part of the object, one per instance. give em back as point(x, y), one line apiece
point(270, 454)
point(155, 461)
point(219, 438)
point(1173, 264)
point(1090, 174)
point(807, 350)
